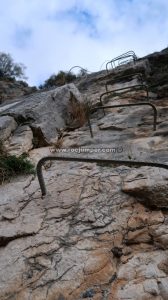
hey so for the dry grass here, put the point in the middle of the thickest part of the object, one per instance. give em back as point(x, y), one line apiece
point(57, 145)
point(78, 116)
point(2, 150)
point(78, 111)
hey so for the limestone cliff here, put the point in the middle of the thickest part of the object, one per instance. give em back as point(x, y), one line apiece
point(101, 231)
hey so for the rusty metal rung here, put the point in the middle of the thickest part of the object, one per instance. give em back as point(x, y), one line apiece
point(130, 54)
point(124, 62)
point(125, 55)
point(89, 160)
point(140, 76)
point(139, 86)
point(86, 71)
point(124, 105)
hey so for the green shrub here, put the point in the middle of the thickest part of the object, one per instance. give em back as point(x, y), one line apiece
point(69, 77)
point(10, 165)
point(9, 69)
point(58, 79)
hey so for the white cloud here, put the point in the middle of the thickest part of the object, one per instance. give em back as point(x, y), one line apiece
point(48, 36)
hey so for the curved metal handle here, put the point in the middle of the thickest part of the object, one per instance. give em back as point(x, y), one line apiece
point(140, 86)
point(122, 56)
point(89, 160)
point(77, 67)
point(124, 105)
point(140, 75)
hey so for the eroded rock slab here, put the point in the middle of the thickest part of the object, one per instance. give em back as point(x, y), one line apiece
point(7, 126)
point(86, 238)
point(48, 112)
point(21, 141)
point(149, 184)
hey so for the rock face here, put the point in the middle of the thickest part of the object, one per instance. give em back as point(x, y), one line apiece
point(10, 88)
point(85, 238)
point(142, 183)
point(101, 232)
point(158, 75)
point(47, 113)
point(20, 142)
point(153, 67)
point(7, 126)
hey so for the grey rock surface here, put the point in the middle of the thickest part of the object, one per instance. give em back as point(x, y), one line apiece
point(143, 184)
point(46, 112)
point(20, 142)
point(7, 126)
point(11, 88)
point(101, 231)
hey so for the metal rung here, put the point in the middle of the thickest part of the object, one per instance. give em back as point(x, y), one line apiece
point(139, 86)
point(89, 160)
point(130, 54)
point(124, 105)
point(140, 75)
point(86, 71)
point(125, 62)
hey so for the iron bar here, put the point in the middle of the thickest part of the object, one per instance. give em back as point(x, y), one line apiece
point(124, 62)
point(64, 76)
point(84, 70)
point(140, 86)
point(90, 126)
point(77, 67)
point(129, 54)
point(112, 62)
point(124, 105)
point(140, 75)
point(125, 55)
point(89, 160)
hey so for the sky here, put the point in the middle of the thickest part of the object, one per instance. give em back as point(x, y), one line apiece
point(52, 35)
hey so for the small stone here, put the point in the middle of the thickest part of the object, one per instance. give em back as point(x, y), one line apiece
point(151, 287)
point(88, 294)
point(117, 252)
point(61, 297)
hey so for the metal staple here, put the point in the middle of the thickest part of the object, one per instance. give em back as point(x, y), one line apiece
point(89, 160)
point(140, 75)
point(124, 105)
point(120, 57)
point(139, 86)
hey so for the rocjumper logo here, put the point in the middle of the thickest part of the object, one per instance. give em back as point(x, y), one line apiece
point(90, 150)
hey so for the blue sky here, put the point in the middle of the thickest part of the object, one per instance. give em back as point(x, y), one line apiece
point(52, 35)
